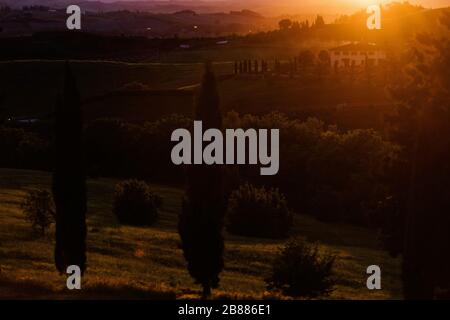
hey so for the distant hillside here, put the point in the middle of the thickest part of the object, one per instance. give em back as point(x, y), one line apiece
point(183, 23)
point(265, 7)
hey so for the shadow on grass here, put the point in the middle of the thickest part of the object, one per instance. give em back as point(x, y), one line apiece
point(34, 290)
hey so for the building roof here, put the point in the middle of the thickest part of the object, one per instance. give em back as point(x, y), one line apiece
point(357, 47)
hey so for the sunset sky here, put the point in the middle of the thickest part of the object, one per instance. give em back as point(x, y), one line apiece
point(325, 6)
point(308, 3)
point(342, 3)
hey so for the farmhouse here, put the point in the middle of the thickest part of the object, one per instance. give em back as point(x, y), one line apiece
point(357, 55)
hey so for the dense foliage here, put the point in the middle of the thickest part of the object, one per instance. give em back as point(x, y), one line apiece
point(22, 149)
point(334, 175)
point(39, 210)
point(135, 203)
point(258, 212)
point(300, 270)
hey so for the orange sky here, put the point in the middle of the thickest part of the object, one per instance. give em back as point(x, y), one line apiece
point(335, 6)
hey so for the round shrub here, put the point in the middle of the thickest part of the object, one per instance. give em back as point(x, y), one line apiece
point(299, 270)
point(39, 209)
point(135, 204)
point(258, 212)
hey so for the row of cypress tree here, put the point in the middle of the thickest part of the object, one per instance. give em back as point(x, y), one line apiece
point(201, 220)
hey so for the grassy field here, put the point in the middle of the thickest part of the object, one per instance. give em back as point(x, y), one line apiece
point(146, 263)
point(30, 87)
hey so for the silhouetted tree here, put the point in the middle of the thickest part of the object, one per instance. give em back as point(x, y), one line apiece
point(285, 24)
point(324, 63)
point(291, 69)
point(305, 25)
point(319, 22)
point(69, 182)
point(201, 220)
point(426, 97)
point(264, 66)
point(305, 59)
point(296, 27)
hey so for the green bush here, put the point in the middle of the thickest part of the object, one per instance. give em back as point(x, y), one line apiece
point(258, 212)
point(39, 209)
point(135, 204)
point(299, 270)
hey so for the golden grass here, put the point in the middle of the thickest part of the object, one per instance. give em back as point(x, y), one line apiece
point(147, 263)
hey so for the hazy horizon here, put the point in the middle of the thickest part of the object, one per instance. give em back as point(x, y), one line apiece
point(268, 7)
point(304, 3)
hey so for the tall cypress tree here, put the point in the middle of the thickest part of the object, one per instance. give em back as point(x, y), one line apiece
point(201, 220)
point(69, 181)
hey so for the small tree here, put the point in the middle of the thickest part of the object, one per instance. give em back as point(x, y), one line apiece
point(285, 24)
point(39, 210)
point(324, 57)
point(319, 22)
point(306, 59)
point(299, 270)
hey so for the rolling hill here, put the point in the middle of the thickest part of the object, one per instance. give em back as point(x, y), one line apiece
point(147, 263)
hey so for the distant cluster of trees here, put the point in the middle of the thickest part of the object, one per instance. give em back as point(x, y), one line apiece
point(306, 61)
point(251, 66)
point(296, 26)
point(4, 9)
point(35, 8)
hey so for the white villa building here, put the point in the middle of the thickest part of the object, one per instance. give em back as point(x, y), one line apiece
point(357, 55)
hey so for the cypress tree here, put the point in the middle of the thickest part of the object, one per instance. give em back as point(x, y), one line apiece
point(69, 181)
point(201, 220)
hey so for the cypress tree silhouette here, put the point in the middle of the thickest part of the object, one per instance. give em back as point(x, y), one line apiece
point(69, 181)
point(201, 220)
